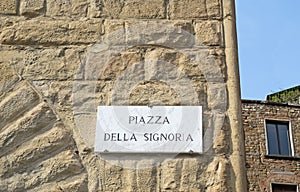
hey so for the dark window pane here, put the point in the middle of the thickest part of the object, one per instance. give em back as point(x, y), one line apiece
point(284, 188)
point(278, 138)
point(272, 139)
point(284, 141)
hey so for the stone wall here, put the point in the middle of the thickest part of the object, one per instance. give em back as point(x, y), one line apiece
point(59, 59)
point(262, 170)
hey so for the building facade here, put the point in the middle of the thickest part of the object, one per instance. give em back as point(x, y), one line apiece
point(272, 145)
point(61, 59)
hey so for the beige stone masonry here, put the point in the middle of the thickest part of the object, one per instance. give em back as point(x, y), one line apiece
point(8, 7)
point(32, 8)
point(60, 59)
point(50, 31)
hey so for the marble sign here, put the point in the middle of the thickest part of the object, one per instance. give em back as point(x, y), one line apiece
point(144, 129)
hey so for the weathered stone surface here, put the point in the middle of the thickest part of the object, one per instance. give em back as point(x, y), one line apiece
point(19, 100)
point(192, 9)
point(146, 175)
point(8, 77)
point(217, 94)
point(77, 183)
point(156, 93)
point(147, 9)
point(47, 143)
point(8, 7)
point(113, 180)
point(129, 176)
point(217, 172)
point(115, 32)
point(7, 21)
point(213, 8)
point(176, 35)
point(37, 120)
point(187, 9)
point(32, 8)
point(55, 64)
point(170, 180)
point(73, 8)
point(209, 32)
point(52, 32)
point(190, 175)
point(113, 8)
point(35, 149)
point(51, 172)
point(95, 9)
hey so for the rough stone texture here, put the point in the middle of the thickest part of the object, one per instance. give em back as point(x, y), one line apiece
point(32, 8)
point(143, 9)
point(261, 169)
point(71, 8)
point(57, 64)
point(147, 9)
point(8, 7)
point(52, 32)
point(182, 9)
point(209, 32)
point(217, 170)
point(213, 8)
point(36, 148)
point(189, 9)
point(60, 59)
point(8, 79)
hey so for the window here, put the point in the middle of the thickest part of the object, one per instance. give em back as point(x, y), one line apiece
point(283, 188)
point(278, 138)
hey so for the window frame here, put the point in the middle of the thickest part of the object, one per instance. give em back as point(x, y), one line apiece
point(291, 140)
point(276, 183)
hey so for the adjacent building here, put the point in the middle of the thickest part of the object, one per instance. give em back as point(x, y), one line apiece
point(272, 142)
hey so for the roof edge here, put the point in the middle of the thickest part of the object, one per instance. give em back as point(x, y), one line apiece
point(270, 103)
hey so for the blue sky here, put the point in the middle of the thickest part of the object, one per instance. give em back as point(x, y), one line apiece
point(269, 46)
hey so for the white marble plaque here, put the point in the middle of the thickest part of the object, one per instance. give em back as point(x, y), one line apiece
point(143, 129)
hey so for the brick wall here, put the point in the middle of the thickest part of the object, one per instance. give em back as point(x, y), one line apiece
point(261, 168)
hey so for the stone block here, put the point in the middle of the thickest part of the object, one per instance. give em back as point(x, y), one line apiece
point(216, 173)
point(52, 32)
point(214, 8)
point(114, 178)
point(95, 9)
point(115, 32)
point(8, 77)
point(129, 175)
point(8, 7)
point(217, 96)
point(169, 174)
point(112, 8)
point(37, 120)
point(73, 8)
point(49, 143)
point(16, 103)
point(50, 64)
point(175, 35)
point(32, 8)
point(209, 33)
point(108, 64)
point(76, 183)
point(147, 9)
point(146, 175)
point(190, 177)
point(187, 9)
